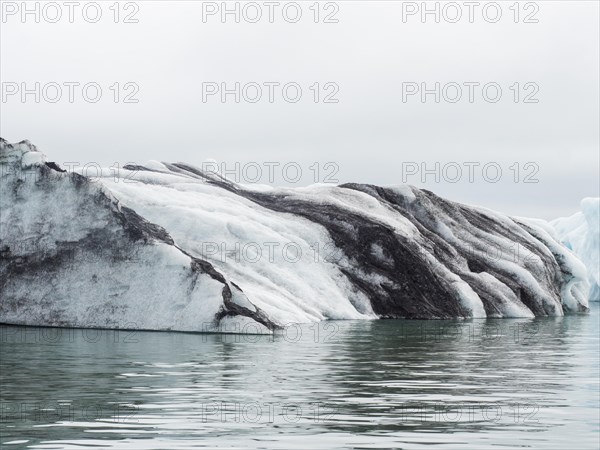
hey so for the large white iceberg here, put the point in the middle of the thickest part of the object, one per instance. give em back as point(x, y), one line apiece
point(169, 246)
point(581, 233)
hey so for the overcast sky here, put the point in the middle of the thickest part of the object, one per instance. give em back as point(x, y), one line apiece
point(545, 129)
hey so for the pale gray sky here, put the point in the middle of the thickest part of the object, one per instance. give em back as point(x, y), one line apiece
point(371, 134)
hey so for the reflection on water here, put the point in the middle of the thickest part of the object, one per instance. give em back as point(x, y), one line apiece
point(383, 384)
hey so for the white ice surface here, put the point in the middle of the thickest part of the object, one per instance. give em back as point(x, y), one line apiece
point(285, 264)
point(280, 260)
point(581, 233)
point(153, 287)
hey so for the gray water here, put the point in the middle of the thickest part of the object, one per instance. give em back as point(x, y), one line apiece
point(358, 384)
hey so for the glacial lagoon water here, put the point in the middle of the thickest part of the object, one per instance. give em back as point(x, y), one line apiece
point(479, 384)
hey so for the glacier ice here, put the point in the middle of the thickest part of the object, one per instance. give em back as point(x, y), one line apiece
point(72, 255)
point(581, 233)
point(168, 246)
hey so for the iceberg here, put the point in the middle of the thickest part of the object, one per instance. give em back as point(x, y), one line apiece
point(169, 246)
point(581, 233)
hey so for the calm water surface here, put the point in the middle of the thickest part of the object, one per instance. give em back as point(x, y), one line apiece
point(387, 384)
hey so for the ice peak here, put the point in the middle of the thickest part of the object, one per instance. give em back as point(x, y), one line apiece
point(23, 153)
